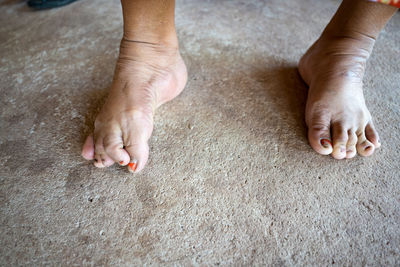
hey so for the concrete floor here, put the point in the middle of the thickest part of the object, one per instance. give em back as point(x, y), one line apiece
point(231, 178)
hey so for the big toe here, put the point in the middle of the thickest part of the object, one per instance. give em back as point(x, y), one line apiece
point(139, 154)
point(136, 138)
point(319, 136)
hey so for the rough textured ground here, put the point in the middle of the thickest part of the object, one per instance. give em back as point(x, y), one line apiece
point(231, 178)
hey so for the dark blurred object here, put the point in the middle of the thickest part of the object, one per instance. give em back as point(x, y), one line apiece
point(46, 4)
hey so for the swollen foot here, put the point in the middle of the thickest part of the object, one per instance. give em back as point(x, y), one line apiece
point(146, 76)
point(338, 120)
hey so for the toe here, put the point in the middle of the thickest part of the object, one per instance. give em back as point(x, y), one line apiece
point(351, 150)
point(100, 158)
point(88, 148)
point(319, 136)
point(139, 153)
point(364, 146)
point(372, 135)
point(135, 140)
point(99, 153)
point(340, 138)
point(114, 148)
point(98, 161)
point(107, 161)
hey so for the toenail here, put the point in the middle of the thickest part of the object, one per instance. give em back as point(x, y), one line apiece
point(121, 162)
point(133, 165)
point(342, 149)
point(326, 143)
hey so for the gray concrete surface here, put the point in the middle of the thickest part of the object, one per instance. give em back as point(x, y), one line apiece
point(231, 178)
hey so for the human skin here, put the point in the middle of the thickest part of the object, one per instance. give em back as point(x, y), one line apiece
point(150, 72)
point(338, 120)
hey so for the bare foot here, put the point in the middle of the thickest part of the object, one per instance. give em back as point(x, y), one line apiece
point(338, 120)
point(146, 76)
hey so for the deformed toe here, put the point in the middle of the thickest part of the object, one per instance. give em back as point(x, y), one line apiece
point(339, 152)
point(98, 162)
point(139, 154)
point(351, 149)
point(101, 159)
point(88, 148)
point(351, 153)
point(320, 139)
point(114, 148)
point(340, 138)
point(372, 135)
point(364, 147)
point(107, 161)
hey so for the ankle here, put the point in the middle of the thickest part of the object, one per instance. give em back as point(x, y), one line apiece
point(165, 38)
point(137, 49)
point(137, 55)
point(360, 17)
point(350, 42)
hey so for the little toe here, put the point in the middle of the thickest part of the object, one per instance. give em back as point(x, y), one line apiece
point(340, 139)
point(320, 138)
point(364, 146)
point(88, 148)
point(372, 135)
point(351, 149)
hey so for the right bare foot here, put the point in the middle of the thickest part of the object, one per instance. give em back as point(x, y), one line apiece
point(338, 120)
point(147, 75)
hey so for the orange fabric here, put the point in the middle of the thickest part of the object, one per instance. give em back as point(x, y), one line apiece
point(395, 3)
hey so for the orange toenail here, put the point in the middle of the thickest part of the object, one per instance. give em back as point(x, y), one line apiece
point(121, 162)
point(133, 166)
point(325, 142)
